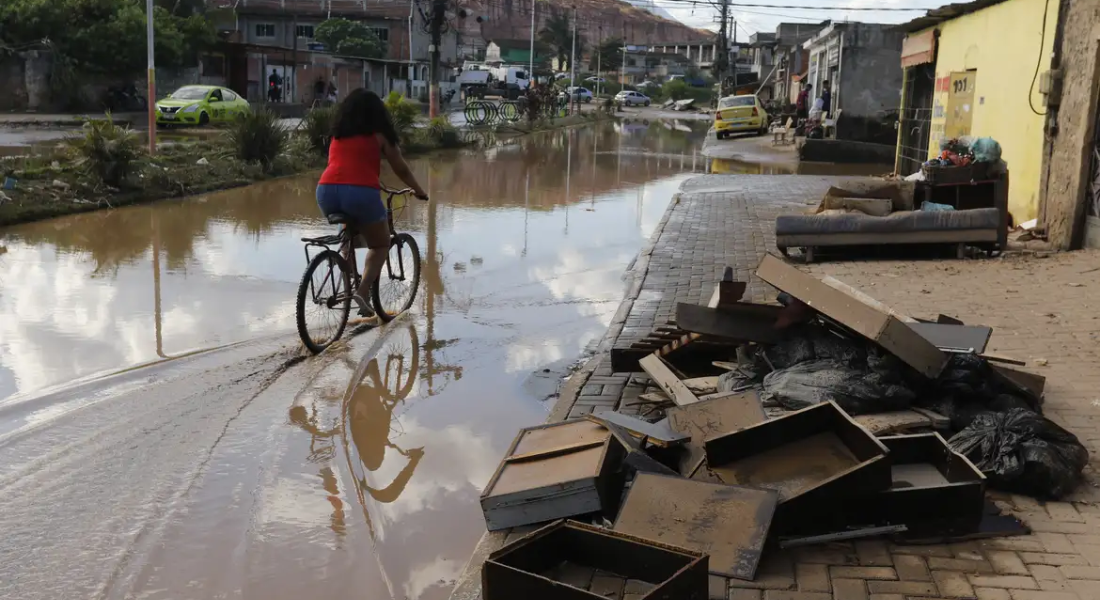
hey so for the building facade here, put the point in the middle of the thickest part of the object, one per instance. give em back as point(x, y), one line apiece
point(963, 78)
point(862, 63)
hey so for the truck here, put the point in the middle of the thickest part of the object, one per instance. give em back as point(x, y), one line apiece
point(506, 81)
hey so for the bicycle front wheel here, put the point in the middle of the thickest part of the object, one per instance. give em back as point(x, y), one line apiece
point(395, 290)
point(324, 301)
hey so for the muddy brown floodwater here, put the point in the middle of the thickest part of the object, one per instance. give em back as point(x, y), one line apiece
point(161, 436)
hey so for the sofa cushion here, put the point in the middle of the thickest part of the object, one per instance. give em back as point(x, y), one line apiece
point(906, 221)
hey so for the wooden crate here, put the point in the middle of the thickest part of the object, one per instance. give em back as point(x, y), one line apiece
point(518, 571)
point(814, 458)
point(552, 472)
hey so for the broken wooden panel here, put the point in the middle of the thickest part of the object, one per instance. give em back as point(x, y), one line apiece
point(659, 433)
point(729, 523)
point(930, 483)
point(742, 322)
point(565, 469)
point(870, 321)
point(710, 418)
point(525, 568)
point(659, 372)
point(814, 457)
point(1028, 381)
point(893, 422)
point(945, 335)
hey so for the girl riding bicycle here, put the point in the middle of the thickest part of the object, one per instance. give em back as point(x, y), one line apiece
point(362, 134)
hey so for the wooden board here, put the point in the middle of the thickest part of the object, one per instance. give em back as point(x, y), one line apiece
point(749, 325)
point(869, 320)
point(636, 457)
point(659, 433)
point(893, 422)
point(792, 468)
point(1029, 381)
point(702, 385)
point(664, 378)
point(728, 523)
point(708, 418)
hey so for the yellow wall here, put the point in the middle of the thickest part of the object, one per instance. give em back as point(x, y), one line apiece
point(1002, 43)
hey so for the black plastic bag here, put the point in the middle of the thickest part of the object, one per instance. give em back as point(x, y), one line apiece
point(1021, 451)
point(857, 391)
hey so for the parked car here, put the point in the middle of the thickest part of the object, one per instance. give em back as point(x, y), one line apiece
point(595, 79)
point(200, 105)
point(646, 85)
point(632, 98)
point(578, 93)
point(736, 114)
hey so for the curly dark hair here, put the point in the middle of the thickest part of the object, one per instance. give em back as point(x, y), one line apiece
point(362, 112)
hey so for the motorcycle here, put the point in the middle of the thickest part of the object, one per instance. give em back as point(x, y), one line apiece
point(125, 98)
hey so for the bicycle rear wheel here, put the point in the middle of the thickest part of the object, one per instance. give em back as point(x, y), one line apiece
point(395, 290)
point(324, 301)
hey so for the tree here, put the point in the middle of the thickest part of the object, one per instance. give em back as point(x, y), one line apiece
point(350, 38)
point(610, 55)
point(105, 36)
point(558, 34)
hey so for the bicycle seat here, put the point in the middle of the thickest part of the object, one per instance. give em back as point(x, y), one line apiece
point(338, 219)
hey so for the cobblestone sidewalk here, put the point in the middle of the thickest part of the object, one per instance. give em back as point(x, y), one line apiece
point(1044, 310)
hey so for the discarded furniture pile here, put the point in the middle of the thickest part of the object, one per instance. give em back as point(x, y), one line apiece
point(825, 417)
point(867, 213)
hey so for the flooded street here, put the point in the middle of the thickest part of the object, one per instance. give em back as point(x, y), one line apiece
point(162, 436)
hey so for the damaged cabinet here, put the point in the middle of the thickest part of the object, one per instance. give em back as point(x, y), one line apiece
point(527, 569)
point(552, 472)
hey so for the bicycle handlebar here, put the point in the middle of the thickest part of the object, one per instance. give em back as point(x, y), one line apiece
point(401, 192)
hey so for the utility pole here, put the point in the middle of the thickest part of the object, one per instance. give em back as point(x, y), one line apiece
point(151, 102)
point(439, 8)
point(573, 58)
point(622, 74)
point(531, 66)
point(599, 55)
point(287, 83)
point(721, 61)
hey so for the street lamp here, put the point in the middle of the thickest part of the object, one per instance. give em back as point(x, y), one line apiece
point(573, 57)
point(151, 104)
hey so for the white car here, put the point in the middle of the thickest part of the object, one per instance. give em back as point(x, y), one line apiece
point(632, 98)
point(578, 93)
point(595, 79)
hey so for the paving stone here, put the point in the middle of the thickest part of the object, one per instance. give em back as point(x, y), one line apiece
point(849, 589)
point(886, 573)
point(959, 564)
point(992, 594)
point(1055, 542)
point(1006, 562)
point(911, 568)
point(1043, 595)
point(873, 553)
point(718, 587)
point(1049, 578)
point(1058, 560)
point(1081, 572)
point(812, 577)
point(1063, 511)
point(907, 588)
point(745, 594)
point(1003, 581)
point(792, 595)
point(952, 584)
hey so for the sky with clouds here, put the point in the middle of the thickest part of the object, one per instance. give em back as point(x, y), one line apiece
point(752, 20)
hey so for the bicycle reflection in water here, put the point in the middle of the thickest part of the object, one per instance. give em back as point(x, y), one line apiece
point(365, 426)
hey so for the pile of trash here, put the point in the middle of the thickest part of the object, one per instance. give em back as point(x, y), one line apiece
point(825, 417)
point(963, 159)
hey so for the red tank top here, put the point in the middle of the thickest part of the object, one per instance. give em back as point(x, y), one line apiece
point(353, 160)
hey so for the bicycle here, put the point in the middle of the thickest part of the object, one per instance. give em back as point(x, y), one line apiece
point(330, 296)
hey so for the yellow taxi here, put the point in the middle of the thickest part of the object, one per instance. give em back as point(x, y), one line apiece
point(739, 114)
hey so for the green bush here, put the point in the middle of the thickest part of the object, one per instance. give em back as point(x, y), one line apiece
point(106, 151)
point(677, 89)
point(257, 137)
point(443, 133)
point(403, 113)
point(317, 127)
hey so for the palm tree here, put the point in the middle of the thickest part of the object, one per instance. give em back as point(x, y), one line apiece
point(558, 34)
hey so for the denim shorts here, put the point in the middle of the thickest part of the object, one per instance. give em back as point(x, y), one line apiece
point(363, 204)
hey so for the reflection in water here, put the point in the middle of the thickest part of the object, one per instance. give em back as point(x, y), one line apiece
point(358, 472)
point(221, 263)
point(726, 166)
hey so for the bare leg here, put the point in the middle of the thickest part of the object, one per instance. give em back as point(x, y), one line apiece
point(378, 242)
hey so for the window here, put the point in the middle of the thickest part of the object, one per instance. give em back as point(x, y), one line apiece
point(737, 101)
point(265, 30)
point(383, 33)
point(228, 96)
point(305, 31)
point(216, 96)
